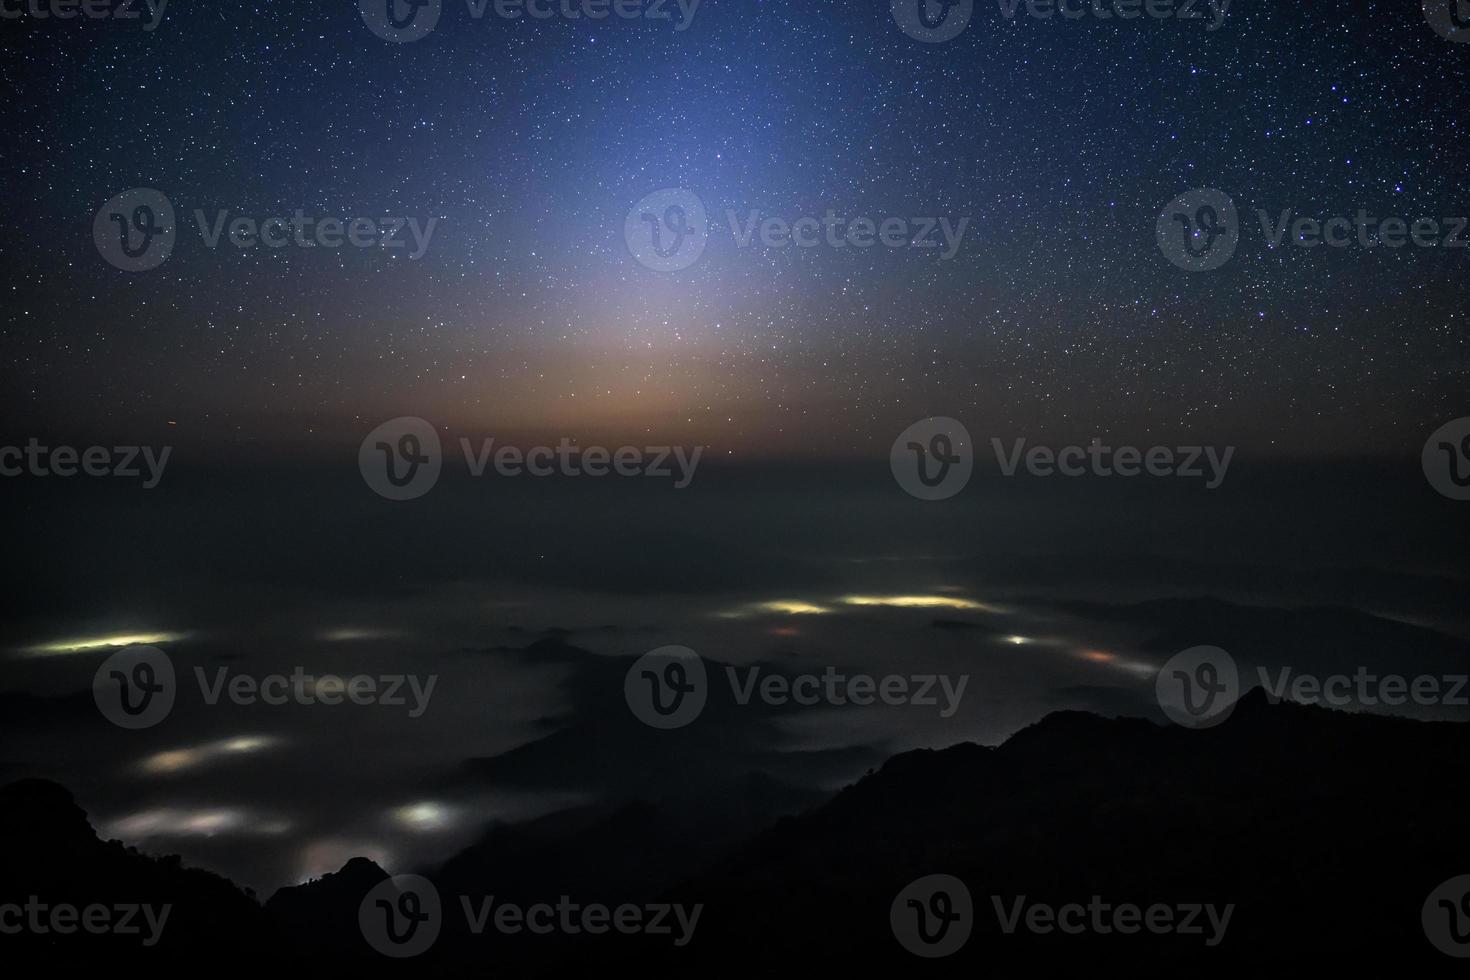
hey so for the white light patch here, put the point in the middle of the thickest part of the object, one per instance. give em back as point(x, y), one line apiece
point(350, 634)
point(324, 857)
point(90, 643)
point(919, 602)
point(179, 822)
point(423, 817)
point(180, 760)
point(776, 607)
point(1116, 662)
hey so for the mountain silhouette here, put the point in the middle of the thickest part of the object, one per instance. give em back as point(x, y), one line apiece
point(1324, 832)
point(321, 915)
point(52, 857)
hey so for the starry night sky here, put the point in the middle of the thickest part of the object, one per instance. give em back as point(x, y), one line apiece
point(529, 319)
point(529, 141)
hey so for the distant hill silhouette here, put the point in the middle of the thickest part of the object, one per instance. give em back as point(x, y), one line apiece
point(1325, 830)
point(320, 916)
point(50, 851)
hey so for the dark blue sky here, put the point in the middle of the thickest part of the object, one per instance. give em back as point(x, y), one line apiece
point(529, 141)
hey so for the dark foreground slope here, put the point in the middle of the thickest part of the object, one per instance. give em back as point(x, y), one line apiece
point(51, 862)
point(1324, 832)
